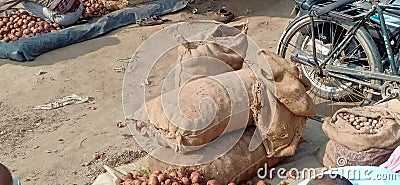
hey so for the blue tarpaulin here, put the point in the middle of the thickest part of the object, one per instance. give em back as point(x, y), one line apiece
point(29, 48)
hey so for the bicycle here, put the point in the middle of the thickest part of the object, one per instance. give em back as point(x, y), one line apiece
point(348, 49)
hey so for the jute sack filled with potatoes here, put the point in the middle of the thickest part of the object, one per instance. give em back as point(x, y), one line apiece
point(238, 92)
point(337, 155)
point(236, 165)
point(239, 164)
point(200, 111)
point(290, 85)
point(282, 130)
point(220, 50)
point(363, 128)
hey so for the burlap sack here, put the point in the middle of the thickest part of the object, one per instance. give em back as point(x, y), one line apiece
point(282, 130)
point(237, 165)
point(337, 155)
point(281, 134)
point(221, 50)
point(387, 137)
point(291, 85)
point(231, 93)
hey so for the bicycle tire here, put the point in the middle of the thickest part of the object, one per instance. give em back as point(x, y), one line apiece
point(361, 36)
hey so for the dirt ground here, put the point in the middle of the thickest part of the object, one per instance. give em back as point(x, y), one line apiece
point(56, 146)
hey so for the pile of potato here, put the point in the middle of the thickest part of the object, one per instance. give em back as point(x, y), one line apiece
point(174, 177)
point(364, 124)
point(94, 9)
point(23, 25)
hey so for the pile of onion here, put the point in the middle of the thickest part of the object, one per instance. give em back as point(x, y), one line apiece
point(23, 25)
point(94, 9)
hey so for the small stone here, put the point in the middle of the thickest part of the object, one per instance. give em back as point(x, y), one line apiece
point(358, 127)
point(139, 125)
point(370, 120)
point(120, 124)
point(96, 156)
point(374, 121)
point(36, 147)
point(92, 108)
point(85, 164)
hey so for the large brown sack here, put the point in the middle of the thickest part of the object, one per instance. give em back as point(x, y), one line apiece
point(220, 50)
point(280, 132)
point(387, 137)
point(337, 155)
point(163, 122)
point(237, 165)
point(291, 85)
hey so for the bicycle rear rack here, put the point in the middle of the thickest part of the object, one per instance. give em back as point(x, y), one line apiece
point(347, 12)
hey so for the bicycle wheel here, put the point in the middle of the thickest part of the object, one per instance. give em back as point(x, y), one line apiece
point(328, 93)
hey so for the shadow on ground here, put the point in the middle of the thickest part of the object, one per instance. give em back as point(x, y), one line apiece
point(67, 53)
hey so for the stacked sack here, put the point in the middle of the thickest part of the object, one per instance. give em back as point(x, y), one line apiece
point(362, 136)
point(240, 100)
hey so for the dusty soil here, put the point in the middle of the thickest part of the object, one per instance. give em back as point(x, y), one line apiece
point(56, 146)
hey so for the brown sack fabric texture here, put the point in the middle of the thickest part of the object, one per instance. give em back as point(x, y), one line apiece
point(386, 137)
point(281, 131)
point(223, 50)
point(281, 134)
point(191, 95)
point(291, 85)
point(371, 157)
point(229, 167)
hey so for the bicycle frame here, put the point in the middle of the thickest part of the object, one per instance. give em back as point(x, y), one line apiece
point(341, 72)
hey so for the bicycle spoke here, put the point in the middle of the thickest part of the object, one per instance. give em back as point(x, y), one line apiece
point(330, 93)
point(354, 50)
